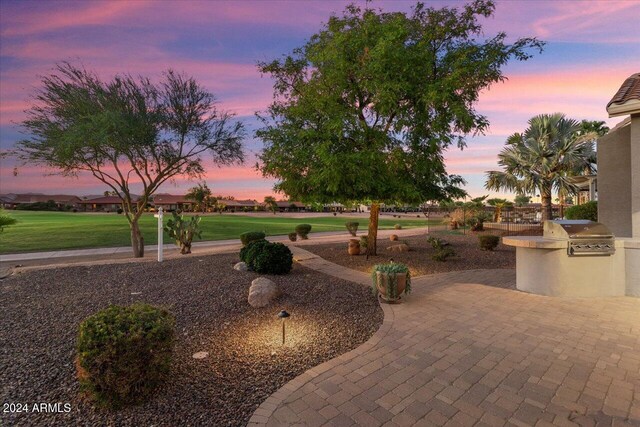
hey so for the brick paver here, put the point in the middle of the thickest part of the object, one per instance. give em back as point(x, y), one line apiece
point(457, 352)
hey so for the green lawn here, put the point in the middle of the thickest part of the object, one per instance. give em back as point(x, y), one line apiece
point(43, 231)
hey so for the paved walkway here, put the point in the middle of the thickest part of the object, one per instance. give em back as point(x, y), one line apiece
point(457, 352)
point(123, 253)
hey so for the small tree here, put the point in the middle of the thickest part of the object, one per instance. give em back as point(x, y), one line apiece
point(6, 220)
point(365, 109)
point(520, 200)
point(201, 195)
point(271, 204)
point(499, 205)
point(127, 131)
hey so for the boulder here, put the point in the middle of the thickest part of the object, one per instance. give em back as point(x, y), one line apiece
point(393, 237)
point(402, 247)
point(262, 292)
point(241, 266)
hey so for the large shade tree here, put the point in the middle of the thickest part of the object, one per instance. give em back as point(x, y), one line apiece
point(366, 107)
point(543, 158)
point(128, 131)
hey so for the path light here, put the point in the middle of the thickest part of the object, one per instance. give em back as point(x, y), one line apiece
point(283, 315)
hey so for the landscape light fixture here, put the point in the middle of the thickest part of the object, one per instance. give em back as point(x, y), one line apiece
point(283, 315)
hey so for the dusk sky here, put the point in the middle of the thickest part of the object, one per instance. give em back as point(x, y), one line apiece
point(592, 47)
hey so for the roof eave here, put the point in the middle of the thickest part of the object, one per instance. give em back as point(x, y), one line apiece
point(632, 106)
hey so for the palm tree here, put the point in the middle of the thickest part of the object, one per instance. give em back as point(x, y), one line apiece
point(499, 205)
point(271, 204)
point(542, 158)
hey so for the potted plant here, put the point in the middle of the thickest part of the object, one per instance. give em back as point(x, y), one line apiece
point(391, 280)
point(354, 247)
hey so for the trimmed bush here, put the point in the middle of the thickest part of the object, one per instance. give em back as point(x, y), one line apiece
point(251, 236)
point(303, 230)
point(397, 227)
point(249, 252)
point(488, 242)
point(352, 227)
point(437, 243)
point(293, 236)
point(587, 210)
point(274, 258)
point(364, 241)
point(124, 353)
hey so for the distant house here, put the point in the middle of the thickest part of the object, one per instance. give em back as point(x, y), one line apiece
point(289, 206)
point(170, 202)
point(241, 205)
point(61, 200)
point(102, 204)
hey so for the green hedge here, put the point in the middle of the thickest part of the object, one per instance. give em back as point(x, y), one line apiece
point(587, 210)
point(251, 236)
point(124, 353)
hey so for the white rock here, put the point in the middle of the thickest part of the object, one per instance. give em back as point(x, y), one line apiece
point(241, 266)
point(262, 292)
point(200, 355)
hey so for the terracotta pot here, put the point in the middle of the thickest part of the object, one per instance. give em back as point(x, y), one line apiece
point(354, 247)
point(381, 284)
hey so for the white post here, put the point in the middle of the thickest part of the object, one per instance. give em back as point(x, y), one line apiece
point(160, 231)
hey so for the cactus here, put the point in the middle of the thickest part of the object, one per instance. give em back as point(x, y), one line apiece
point(183, 230)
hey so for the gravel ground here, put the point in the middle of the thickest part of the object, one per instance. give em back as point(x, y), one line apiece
point(469, 256)
point(41, 310)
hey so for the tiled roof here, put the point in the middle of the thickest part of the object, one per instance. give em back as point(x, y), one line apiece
point(170, 199)
point(104, 200)
point(629, 91)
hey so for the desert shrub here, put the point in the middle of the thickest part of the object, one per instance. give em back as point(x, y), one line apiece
point(587, 210)
point(476, 222)
point(124, 353)
point(293, 236)
point(334, 214)
point(397, 227)
point(6, 219)
point(251, 236)
point(303, 230)
point(183, 230)
point(364, 241)
point(437, 243)
point(119, 211)
point(49, 205)
point(441, 254)
point(272, 258)
point(488, 242)
point(352, 227)
point(251, 250)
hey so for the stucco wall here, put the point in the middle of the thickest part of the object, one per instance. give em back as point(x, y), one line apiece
point(614, 180)
point(635, 175)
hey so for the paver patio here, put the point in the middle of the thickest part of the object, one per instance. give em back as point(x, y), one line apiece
point(466, 348)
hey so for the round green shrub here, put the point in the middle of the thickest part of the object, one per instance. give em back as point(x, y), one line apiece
point(587, 210)
point(124, 353)
point(273, 258)
point(397, 227)
point(303, 230)
point(249, 252)
point(488, 242)
point(251, 236)
point(293, 236)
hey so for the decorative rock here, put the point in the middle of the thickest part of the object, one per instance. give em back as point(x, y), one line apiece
point(393, 237)
point(200, 355)
point(262, 292)
point(402, 247)
point(241, 266)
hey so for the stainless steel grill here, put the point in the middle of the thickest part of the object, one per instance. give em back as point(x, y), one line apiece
point(583, 237)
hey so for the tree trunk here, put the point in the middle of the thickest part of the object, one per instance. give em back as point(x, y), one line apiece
point(137, 241)
point(372, 238)
point(547, 213)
